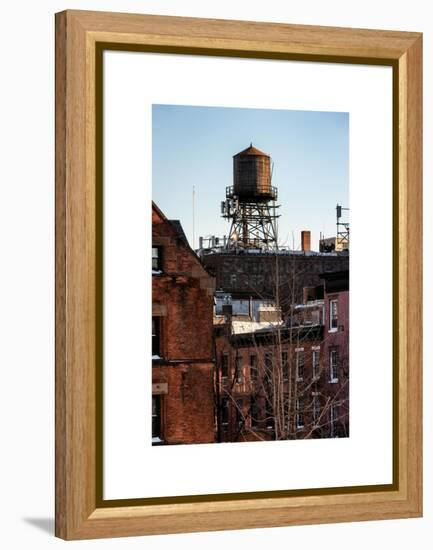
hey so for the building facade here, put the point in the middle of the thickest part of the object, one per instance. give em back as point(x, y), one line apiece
point(263, 272)
point(284, 378)
point(183, 370)
point(336, 348)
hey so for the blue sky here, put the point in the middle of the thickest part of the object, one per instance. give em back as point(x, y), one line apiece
point(194, 146)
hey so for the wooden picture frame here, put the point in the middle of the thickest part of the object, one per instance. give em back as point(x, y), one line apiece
point(81, 37)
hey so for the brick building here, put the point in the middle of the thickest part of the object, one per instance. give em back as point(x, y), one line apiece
point(183, 404)
point(336, 347)
point(258, 272)
point(284, 379)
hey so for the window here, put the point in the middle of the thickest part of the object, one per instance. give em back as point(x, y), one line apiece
point(253, 367)
point(316, 409)
point(224, 365)
point(156, 417)
point(238, 367)
point(300, 365)
point(156, 258)
point(333, 365)
point(239, 413)
point(241, 307)
point(224, 411)
point(333, 314)
point(156, 340)
point(268, 372)
point(269, 411)
point(300, 413)
point(316, 363)
point(254, 412)
point(285, 365)
point(334, 416)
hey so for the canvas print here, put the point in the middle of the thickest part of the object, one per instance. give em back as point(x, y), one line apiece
point(250, 275)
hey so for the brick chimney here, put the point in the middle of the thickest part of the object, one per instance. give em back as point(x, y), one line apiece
point(306, 241)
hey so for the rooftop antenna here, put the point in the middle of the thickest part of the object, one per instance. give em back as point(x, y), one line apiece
point(193, 217)
point(343, 231)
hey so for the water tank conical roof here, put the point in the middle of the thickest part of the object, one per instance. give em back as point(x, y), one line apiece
point(252, 175)
point(252, 151)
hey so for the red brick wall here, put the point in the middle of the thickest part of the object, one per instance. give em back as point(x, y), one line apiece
point(182, 298)
point(338, 340)
point(185, 292)
point(188, 410)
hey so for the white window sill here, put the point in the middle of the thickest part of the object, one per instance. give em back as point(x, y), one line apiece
point(333, 381)
point(333, 330)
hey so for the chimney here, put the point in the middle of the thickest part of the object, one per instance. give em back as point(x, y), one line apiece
point(306, 241)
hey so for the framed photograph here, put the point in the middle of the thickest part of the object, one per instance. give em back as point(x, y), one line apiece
point(238, 274)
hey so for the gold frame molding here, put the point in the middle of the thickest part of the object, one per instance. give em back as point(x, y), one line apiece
point(81, 38)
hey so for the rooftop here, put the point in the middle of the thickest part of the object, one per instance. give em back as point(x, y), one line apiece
point(251, 151)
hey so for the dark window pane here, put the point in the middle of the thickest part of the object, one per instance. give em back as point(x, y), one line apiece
point(316, 363)
point(239, 412)
point(254, 412)
point(300, 365)
point(238, 369)
point(224, 410)
point(253, 367)
point(285, 365)
point(156, 416)
point(156, 341)
point(224, 365)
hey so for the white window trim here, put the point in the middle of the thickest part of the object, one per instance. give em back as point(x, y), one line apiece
point(299, 378)
point(298, 415)
point(315, 349)
point(332, 380)
point(331, 329)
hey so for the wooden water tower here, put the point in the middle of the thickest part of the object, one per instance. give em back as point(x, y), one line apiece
point(250, 202)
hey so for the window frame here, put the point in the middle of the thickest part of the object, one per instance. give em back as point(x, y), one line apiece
point(157, 399)
point(285, 365)
point(315, 366)
point(253, 367)
point(316, 406)
point(239, 374)
point(300, 353)
point(333, 379)
point(225, 410)
point(333, 318)
point(254, 412)
point(156, 321)
point(300, 413)
point(158, 258)
point(224, 357)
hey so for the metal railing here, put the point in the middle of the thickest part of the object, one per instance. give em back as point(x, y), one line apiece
point(271, 194)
